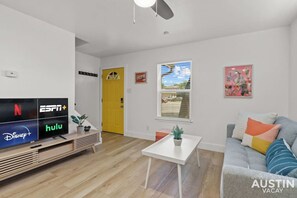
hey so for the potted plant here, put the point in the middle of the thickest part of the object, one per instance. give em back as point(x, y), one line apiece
point(176, 131)
point(79, 120)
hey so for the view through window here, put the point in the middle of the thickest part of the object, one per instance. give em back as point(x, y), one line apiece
point(174, 89)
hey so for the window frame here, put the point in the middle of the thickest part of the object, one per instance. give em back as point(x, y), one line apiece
point(160, 91)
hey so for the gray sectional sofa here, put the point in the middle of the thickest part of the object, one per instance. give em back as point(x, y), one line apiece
point(244, 168)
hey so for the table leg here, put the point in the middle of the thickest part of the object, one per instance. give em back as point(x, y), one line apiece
point(94, 149)
point(179, 181)
point(148, 172)
point(198, 157)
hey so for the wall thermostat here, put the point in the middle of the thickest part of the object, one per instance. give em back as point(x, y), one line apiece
point(11, 74)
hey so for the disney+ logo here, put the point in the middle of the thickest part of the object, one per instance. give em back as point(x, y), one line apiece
point(16, 135)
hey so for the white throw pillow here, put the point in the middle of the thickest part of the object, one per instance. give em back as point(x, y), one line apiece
point(241, 123)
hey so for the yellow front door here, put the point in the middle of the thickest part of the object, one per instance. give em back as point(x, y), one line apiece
point(113, 100)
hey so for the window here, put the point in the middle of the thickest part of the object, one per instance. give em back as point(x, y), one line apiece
point(113, 76)
point(174, 90)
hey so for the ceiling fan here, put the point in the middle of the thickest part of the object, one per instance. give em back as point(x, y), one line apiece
point(160, 7)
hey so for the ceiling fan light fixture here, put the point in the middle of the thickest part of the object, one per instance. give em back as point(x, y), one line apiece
point(145, 3)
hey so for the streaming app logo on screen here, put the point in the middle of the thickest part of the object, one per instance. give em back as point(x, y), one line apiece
point(52, 107)
point(52, 127)
point(18, 110)
point(18, 133)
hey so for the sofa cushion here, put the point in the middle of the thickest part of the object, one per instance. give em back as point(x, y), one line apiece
point(239, 155)
point(241, 122)
point(280, 159)
point(259, 136)
point(288, 129)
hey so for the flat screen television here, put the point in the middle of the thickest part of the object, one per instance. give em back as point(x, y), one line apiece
point(29, 120)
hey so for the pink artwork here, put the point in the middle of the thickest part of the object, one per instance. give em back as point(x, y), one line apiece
point(238, 81)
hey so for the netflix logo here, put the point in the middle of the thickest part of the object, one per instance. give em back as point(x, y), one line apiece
point(18, 109)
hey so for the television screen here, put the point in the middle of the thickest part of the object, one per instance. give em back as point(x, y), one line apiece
point(28, 120)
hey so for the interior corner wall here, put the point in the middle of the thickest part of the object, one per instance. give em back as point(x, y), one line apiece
point(42, 55)
point(268, 51)
point(293, 72)
point(87, 88)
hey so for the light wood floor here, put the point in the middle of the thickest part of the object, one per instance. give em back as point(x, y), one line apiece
point(117, 170)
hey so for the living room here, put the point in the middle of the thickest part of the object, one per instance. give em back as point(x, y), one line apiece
point(54, 49)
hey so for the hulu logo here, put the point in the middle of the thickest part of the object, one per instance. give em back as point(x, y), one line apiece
point(49, 128)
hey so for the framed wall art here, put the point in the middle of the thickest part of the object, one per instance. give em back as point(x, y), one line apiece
point(239, 81)
point(140, 77)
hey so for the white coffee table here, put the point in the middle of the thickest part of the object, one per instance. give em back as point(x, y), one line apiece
point(165, 150)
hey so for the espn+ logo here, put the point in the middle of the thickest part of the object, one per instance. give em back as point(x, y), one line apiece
point(51, 108)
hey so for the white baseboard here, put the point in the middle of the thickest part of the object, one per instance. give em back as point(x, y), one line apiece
point(212, 147)
point(203, 145)
point(140, 135)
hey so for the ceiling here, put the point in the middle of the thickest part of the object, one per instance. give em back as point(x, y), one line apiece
point(108, 27)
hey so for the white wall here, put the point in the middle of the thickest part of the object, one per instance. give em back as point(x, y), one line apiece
point(293, 72)
point(267, 50)
point(87, 88)
point(42, 55)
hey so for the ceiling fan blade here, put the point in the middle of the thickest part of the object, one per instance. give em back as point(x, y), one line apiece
point(163, 10)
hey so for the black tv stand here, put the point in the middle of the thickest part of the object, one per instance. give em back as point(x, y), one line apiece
point(61, 136)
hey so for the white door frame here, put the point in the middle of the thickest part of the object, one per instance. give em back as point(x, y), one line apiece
point(125, 95)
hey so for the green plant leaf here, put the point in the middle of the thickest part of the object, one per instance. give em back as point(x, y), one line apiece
point(79, 120)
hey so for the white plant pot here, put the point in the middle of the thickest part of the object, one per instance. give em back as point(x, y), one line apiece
point(177, 142)
point(80, 129)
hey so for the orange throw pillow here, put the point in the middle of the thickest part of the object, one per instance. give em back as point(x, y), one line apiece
point(259, 136)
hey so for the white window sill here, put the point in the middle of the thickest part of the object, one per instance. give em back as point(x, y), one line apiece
point(174, 119)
